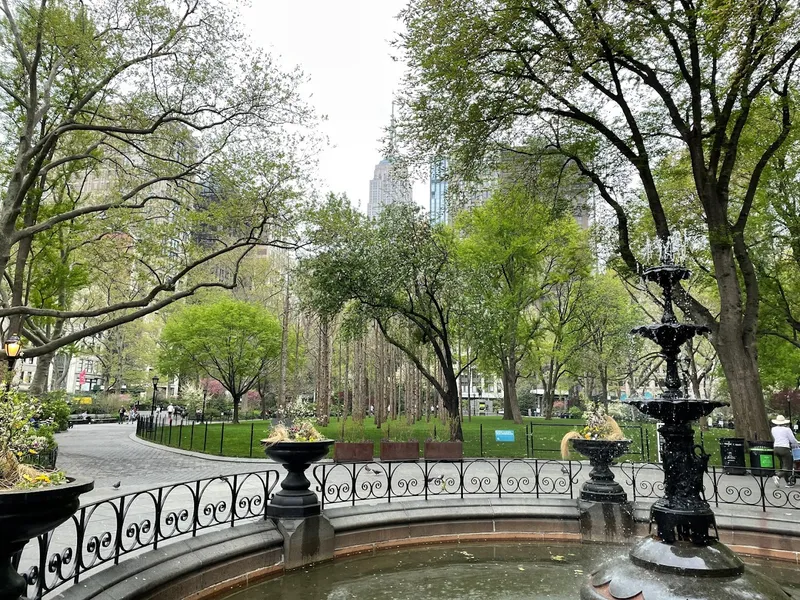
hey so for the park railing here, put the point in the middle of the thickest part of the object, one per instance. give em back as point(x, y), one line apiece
point(528, 440)
point(106, 532)
point(353, 483)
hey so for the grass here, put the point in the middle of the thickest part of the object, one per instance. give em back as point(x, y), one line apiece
point(242, 440)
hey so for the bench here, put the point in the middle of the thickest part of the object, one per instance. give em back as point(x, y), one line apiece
point(80, 420)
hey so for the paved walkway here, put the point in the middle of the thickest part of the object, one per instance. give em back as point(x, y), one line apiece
point(105, 453)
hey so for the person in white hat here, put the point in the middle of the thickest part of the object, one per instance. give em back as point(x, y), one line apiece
point(784, 442)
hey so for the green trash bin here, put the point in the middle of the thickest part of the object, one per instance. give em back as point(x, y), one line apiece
point(762, 459)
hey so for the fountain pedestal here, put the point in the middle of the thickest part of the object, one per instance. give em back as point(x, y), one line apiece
point(605, 513)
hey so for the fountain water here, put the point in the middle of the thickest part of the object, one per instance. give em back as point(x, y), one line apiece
point(684, 558)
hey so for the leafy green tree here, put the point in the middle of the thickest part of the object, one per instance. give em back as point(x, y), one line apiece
point(606, 316)
point(226, 340)
point(146, 143)
point(513, 250)
point(616, 87)
point(400, 272)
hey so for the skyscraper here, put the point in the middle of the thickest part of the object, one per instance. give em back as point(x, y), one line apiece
point(389, 185)
point(438, 207)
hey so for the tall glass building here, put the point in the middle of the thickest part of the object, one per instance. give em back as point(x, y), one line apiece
point(438, 205)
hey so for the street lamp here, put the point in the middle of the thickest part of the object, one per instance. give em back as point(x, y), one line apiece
point(153, 407)
point(13, 349)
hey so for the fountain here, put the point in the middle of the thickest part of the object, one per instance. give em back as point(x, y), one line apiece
point(684, 557)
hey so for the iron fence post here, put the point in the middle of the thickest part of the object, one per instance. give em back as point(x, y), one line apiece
point(234, 496)
point(157, 525)
point(481, 429)
point(191, 437)
point(252, 431)
point(221, 437)
point(180, 435)
point(196, 503)
point(205, 437)
point(499, 480)
point(118, 541)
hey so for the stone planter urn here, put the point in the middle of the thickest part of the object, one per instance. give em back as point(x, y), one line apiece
point(601, 486)
point(397, 451)
point(26, 514)
point(353, 451)
point(295, 500)
point(444, 450)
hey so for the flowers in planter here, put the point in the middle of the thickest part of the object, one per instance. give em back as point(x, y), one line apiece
point(599, 426)
point(301, 431)
point(24, 435)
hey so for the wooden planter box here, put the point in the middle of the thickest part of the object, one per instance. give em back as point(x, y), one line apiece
point(444, 450)
point(391, 451)
point(353, 451)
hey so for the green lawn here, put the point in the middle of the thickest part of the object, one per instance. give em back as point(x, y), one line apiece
point(479, 437)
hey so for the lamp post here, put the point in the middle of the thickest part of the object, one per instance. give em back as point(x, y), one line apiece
point(13, 349)
point(153, 407)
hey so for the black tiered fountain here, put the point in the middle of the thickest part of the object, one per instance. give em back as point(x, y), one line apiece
point(683, 559)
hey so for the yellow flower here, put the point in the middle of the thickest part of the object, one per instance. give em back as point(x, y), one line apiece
point(26, 477)
point(43, 478)
point(31, 451)
point(587, 436)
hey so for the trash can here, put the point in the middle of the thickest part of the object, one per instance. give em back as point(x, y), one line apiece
point(762, 460)
point(732, 452)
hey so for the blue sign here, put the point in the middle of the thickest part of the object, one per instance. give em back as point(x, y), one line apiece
point(503, 435)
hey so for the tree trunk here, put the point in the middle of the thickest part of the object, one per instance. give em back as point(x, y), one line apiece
point(284, 347)
point(510, 403)
point(236, 401)
point(325, 384)
point(744, 386)
point(42, 375)
point(734, 340)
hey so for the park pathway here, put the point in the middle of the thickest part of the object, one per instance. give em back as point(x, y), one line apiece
point(105, 453)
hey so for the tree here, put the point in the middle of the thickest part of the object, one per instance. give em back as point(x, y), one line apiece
point(399, 272)
point(616, 87)
point(512, 251)
point(157, 136)
point(606, 317)
point(226, 340)
point(562, 338)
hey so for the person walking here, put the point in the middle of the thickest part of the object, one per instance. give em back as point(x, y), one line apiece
point(784, 441)
point(121, 415)
point(170, 412)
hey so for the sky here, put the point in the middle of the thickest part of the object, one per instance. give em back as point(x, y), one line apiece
point(343, 46)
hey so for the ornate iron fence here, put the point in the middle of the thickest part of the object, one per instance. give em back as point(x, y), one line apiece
point(352, 483)
point(104, 532)
point(368, 482)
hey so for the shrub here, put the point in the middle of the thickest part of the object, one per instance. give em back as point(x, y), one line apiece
point(55, 409)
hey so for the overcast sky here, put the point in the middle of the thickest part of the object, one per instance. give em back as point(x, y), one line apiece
point(344, 48)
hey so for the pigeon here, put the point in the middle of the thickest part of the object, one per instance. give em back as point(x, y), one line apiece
point(116, 485)
point(564, 470)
